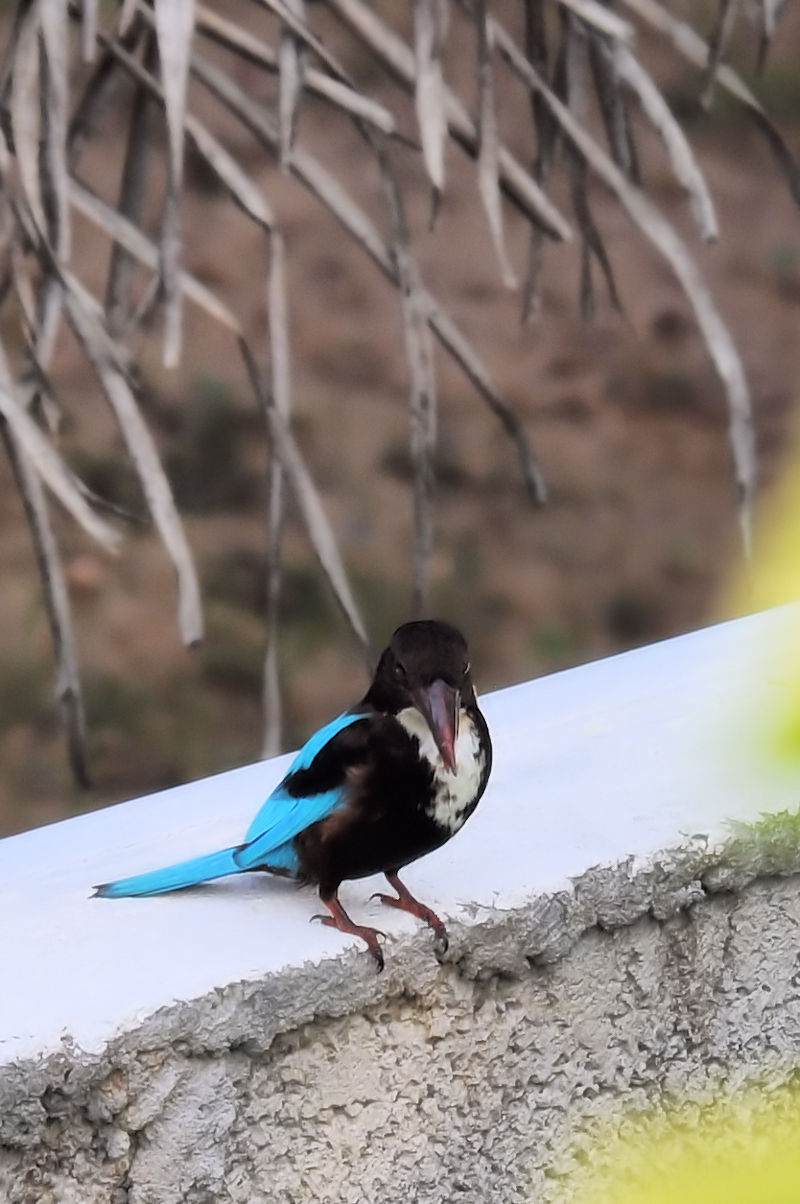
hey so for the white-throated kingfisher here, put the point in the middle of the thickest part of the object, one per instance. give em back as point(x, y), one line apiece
point(387, 782)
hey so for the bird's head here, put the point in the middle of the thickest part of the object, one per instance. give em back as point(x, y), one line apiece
point(426, 666)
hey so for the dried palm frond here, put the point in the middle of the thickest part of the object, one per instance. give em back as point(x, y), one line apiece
point(579, 62)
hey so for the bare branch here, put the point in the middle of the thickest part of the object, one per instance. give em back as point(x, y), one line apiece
point(717, 45)
point(546, 136)
point(422, 381)
point(56, 598)
point(307, 497)
point(280, 380)
point(95, 96)
point(770, 15)
point(612, 105)
point(131, 196)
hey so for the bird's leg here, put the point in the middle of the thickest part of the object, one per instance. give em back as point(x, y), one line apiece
point(341, 920)
point(405, 901)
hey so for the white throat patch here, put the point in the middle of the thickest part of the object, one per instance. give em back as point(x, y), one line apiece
point(454, 793)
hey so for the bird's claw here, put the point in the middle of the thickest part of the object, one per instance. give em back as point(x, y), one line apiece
point(357, 929)
point(422, 912)
point(441, 944)
point(368, 935)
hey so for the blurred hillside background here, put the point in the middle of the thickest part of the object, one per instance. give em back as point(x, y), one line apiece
point(626, 414)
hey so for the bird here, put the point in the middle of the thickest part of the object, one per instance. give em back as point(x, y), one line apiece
point(388, 781)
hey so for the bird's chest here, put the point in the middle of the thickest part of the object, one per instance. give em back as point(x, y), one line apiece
point(452, 796)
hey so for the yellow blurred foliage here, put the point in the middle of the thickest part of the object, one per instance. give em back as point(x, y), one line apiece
point(774, 576)
point(771, 580)
point(741, 1150)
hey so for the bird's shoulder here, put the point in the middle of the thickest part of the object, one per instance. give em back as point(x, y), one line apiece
point(357, 738)
point(323, 762)
point(314, 786)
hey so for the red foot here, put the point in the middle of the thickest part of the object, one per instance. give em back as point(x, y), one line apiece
point(405, 901)
point(340, 920)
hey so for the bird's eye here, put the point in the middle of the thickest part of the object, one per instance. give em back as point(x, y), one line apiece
point(399, 671)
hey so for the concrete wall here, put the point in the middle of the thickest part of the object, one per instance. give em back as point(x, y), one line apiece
point(611, 946)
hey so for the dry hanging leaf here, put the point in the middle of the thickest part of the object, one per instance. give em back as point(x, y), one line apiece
point(429, 23)
point(47, 462)
point(291, 68)
point(516, 182)
point(689, 43)
point(613, 106)
point(119, 302)
point(89, 30)
point(489, 153)
point(330, 193)
point(243, 189)
point(677, 145)
point(721, 346)
point(142, 248)
point(344, 97)
point(717, 45)
point(83, 313)
point(598, 17)
point(56, 95)
point(25, 112)
point(770, 15)
point(306, 496)
point(174, 23)
point(68, 686)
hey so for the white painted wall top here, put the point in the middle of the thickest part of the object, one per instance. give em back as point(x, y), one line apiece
point(625, 757)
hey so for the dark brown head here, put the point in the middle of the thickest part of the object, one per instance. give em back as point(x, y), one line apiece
point(426, 666)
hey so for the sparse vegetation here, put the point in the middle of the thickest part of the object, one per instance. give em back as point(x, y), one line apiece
point(207, 462)
point(770, 843)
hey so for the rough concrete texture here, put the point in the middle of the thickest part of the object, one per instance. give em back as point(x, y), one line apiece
point(479, 1080)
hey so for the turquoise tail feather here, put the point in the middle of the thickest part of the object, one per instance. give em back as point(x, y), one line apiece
point(173, 877)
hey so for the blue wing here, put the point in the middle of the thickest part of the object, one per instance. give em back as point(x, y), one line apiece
point(283, 816)
point(269, 838)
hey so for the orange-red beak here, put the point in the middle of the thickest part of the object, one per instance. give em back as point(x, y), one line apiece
point(439, 705)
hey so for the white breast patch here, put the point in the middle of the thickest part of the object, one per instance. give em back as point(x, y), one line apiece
point(454, 792)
